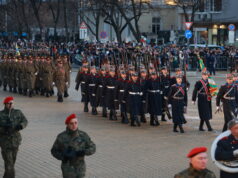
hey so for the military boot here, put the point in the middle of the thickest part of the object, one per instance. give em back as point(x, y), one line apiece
point(5, 88)
point(85, 107)
point(156, 121)
point(66, 94)
point(163, 118)
point(42, 92)
point(111, 115)
point(124, 118)
point(94, 111)
point(209, 126)
point(30, 93)
point(25, 92)
point(47, 94)
point(60, 98)
point(133, 122)
point(104, 112)
point(175, 128)
point(10, 89)
point(152, 120)
point(181, 128)
point(137, 121)
point(142, 118)
point(201, 125)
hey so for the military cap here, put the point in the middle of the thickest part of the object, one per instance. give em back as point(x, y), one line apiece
point(123, 72)
point(177, 69)
point(229, 76)
point(112, 69)
point(85, 65)
point(103, 68)
point(163, 68)
point(8, 99)
point(143, 71)
point(196, 151)
point(69, 118)
point(134, 74)
point(179, 76)
point(93, 67)
point(205, 72)
point(232, 123)
point(153, 73)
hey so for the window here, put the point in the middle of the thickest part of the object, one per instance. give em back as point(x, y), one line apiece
point(216, 5)
point(155, 25)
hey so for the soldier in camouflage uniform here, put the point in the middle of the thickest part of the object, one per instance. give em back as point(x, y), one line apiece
point(11, 122)
point(67, 67)
point(198, 162)
point(71, 146)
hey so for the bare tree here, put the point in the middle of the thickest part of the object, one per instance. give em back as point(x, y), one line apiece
point(36, 8)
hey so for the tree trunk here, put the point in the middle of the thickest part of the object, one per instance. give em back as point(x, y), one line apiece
point(66, 21)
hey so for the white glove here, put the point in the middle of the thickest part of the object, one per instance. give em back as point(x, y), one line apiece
point(53, 83)
point(67, 83)
point(235, 153)
point(36, 73)
point(165, 97)
point(218, 108)
point(169, 106)
point(193, 102)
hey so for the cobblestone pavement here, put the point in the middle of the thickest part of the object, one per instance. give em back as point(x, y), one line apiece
point(122, 151)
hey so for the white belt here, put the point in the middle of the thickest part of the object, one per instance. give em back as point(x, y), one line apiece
point(92, 85)
point(100, 86)
point(93, 95)
point(83, 82)
point(136, 93)
point(121, 90)
point(110, 87)
point(154, 91)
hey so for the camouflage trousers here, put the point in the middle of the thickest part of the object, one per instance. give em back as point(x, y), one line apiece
point(9, 156)
point(73, 170)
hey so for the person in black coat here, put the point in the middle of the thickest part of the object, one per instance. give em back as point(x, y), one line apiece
point(227, 148)
point(121, 86)
point(228, 95)
point(111, 93)
point(143, 81)
point(92, 88)
point(153, 87)
point(202, 92)
point(82, 78)
point(134, 98)
point(178, 98)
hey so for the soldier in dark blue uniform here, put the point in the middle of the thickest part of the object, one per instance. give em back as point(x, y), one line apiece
point(154, 90)
point(202, 92)
point(228, 95)
point(178, 71)
point(111, 93)
point(165, 84)
point(101, 91)
point(178, 98)
point(82, 78)
point(143, 81)
point(134, 97)
point(92, 88)
point(227, 148)
point(121, 86)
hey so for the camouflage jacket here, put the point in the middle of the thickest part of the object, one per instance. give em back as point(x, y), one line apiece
point(192, 173)
point(9, 124)
point(77, 141)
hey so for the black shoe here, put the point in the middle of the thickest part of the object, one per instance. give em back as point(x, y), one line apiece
point(175, 128)
point(114, 115)
point(201, 129)
point(14, 90)
point(181, 129)
point(47, 95)
point(208, 126)
point(66, 94)
point(104, 112)
point(5, 88)
point(42, 93)
point(133, 123)
point(10, 89)
point(20, 91)
point(124, 119)
point(25, 92)
point(85, 108)
point(30, 94)
point(60, 98)
point(163, 118)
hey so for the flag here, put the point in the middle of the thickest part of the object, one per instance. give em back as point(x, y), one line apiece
point(213, 87)
point(17, 50)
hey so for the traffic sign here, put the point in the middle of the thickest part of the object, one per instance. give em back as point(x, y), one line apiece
point(188, 34)
point(231, 27)
point(83, 26)
point(103, 35)
point(188, 25)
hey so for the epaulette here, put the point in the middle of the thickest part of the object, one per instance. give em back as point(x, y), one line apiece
point(224, 138)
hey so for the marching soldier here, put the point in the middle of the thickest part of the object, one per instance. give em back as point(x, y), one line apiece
point(59, 79)
point(153, 87)
point(202, 92)
point(120, 95)
point(178, 98)
point(134, 97)
point(12, 121)
point(165, 84)
point(228, 95)
point(101, 91)
point(5, 73)
point(71, 147)
point(92, 88)
point(47, 72)
point(68, 71)
point(82, 79)
point(111, 93)
point(178, 71)
point(143, 82)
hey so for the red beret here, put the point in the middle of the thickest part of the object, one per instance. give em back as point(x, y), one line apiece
point(69, 118)
point(196, 151)
point(8, 99)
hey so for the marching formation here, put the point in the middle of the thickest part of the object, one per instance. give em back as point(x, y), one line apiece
point(33, 75)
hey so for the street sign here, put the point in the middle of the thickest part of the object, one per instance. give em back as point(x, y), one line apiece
point(188, 25)
point(188, 34)
point(83, 31)
point(231, 27)
point(103, 35)
point(231, 37)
